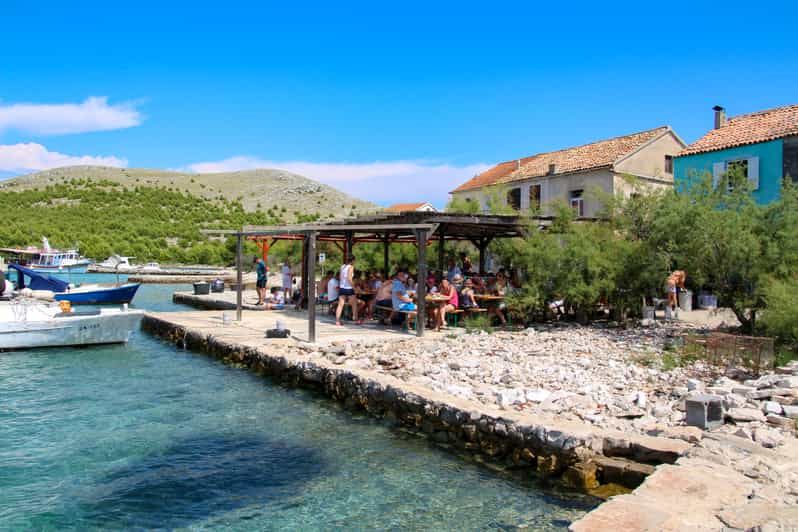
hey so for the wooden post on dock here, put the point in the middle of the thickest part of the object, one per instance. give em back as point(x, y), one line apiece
point(311, 285)
point(421, 282)
point(239, 275)
point(386, 245)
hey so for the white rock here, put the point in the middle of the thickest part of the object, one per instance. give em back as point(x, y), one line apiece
point(745, 414)
point(790, 411)
point(768, 438)
point(694, 384)
point(787, 382)
point(640, 400)
point(537, 396)
point(771, 407)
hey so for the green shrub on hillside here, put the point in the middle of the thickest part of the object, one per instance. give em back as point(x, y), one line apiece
point(102, 218)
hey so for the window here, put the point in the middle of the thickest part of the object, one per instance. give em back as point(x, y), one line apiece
point(534, 197)
point(669, 164)
point(737, 169)
point(577, 202)
point(514, 198)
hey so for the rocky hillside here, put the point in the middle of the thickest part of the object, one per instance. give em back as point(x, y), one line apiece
point(256, 189)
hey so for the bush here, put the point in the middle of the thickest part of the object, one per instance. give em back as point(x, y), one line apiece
point(780, 320)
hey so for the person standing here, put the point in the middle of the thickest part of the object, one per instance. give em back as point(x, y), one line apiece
point(260, 284)
point(675, 283)
point(287, 278)
point(346, 293)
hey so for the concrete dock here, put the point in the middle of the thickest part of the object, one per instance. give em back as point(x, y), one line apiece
point(251, 330)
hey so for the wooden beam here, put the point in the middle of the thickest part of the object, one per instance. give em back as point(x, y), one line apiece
point(311, 286)
point(421, 282)
point(348, 251)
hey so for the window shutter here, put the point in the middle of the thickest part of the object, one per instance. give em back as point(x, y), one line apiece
point(753, 172)
point(718, 169)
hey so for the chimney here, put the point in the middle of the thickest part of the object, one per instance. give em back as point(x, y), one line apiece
point(720, 116)
point(518, 164)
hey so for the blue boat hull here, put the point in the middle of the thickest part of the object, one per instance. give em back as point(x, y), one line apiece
point(103, 296)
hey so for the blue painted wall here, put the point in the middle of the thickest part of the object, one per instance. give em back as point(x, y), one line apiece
point(770, 167)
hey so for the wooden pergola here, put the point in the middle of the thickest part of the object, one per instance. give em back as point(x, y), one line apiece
point(417, 228)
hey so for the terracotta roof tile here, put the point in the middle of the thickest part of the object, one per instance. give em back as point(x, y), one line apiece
point(752, 128)
point(403, 207)
point(588, 156)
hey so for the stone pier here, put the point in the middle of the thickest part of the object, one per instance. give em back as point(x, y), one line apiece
point(677, 484)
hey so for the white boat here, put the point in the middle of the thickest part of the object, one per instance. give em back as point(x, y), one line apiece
point(56, 260)
point(25, 324)
point(151, 267)
point(117, 261)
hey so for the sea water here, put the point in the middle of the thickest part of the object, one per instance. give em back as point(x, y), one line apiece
point(145, 436)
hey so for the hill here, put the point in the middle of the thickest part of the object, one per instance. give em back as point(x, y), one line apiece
point(254, 189)
point(155, 215)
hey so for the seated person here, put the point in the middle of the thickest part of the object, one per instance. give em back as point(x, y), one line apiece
point(383, 297)
point(499, 289)
point(276, 299)
point(440, 313)
point(332, 293)
point(467, 299)
point(479, 285)
point(321, 287)
point(399, 297)
point(431, 288)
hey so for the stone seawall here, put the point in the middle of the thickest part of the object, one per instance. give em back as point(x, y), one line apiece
point(583, 456)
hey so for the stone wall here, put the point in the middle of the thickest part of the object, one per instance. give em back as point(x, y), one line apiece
point(584, 457)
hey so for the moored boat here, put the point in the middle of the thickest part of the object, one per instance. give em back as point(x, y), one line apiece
point(82, 295)
point(26, 325)
point(57, 260)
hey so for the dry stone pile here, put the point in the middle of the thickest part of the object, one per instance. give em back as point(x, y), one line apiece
point(610, 378)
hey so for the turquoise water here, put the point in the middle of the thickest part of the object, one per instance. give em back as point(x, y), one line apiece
point(148, 436)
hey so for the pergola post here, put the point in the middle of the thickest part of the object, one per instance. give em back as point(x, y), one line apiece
point(304, 267)
point(239, 274)
point(421, 282)
point(386, 245)
point(310, 268)
point(441, 250)
point(348, 245)
point(483, 246)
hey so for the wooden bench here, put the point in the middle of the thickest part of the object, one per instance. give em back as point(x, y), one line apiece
point(454, 315)
point(409, 314)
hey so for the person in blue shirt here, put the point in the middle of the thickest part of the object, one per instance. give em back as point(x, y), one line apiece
point(261, 282)
point(454, 271)
point(399, 297)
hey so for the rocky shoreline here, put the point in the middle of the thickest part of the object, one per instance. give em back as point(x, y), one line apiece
point(580, 403)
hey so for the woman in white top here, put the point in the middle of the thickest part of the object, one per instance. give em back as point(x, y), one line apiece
point(346, 292)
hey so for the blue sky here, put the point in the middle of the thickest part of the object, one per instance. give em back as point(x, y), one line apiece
point(387, 101)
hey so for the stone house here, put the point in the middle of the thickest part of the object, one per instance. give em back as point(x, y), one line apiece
point(763, 145)
point(570, 174)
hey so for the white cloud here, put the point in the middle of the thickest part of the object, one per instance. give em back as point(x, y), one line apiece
point(32, 157)
point(382, 182)
point(94, 114)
